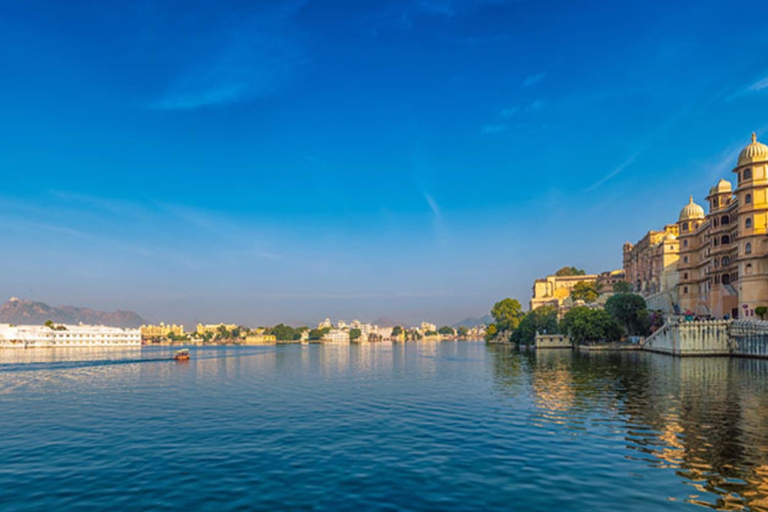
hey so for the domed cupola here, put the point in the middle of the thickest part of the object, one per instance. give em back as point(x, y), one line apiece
point(691, 211)
point(722, 187)
point(755, 152)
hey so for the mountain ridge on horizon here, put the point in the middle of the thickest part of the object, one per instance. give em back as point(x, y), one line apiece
point(20, 311)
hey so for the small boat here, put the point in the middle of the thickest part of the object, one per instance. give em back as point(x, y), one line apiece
point(181, 355)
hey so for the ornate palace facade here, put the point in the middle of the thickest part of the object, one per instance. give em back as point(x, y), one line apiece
point(711, 263)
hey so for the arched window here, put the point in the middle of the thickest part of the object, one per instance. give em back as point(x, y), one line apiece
point(748, 269)
point(726, 261)
point(685, 289)
point(726, 279)
point(748, 199)
point(748, 223)
point(725, 239)
point(685, 259)
point(685, 226)
point(685, 243)
point(685, 275)
point(747, 174)
point(748, 248)
point(725, 220)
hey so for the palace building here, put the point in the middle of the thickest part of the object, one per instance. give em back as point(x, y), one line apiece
point(555, 291)
point(710, 263)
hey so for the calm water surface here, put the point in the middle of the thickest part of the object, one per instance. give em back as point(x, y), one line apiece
point(457, 426)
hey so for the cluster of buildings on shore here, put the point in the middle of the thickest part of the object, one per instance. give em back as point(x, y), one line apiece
point(555, 290)
point(426, 331)
point(710, 263)
point(67, 336)
point(52, 335)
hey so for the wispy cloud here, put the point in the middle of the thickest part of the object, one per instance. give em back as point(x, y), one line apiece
point(501, 125)
point(533, 79)
point(509, 112)
point(494, 128)
point(755, 87)
point(252, 58)
point(615, 172)
point(441, 232)
point(449, 8)
point(536, 105)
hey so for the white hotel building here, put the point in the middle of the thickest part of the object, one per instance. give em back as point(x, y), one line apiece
point(67, 336)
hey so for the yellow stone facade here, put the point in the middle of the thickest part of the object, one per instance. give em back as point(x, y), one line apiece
point(213, 328)
point(260, 339)
point(161, 331)
point(555, 290)
point(717, 263)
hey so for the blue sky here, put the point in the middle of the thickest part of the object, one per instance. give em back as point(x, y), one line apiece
point(257, 162)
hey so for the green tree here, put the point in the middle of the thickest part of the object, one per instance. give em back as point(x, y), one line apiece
point(463, 331)
point(586, 325)
point(507, 313)
point(490, 332)
point(446, 331)
point(586, 291)
point(570, 271)
point(761, 311)
point(285, 332)
point(222, 332)
point(317, 334)
point(397, 330)
point(621, 287)
point(355, 334)
point(542, 320)
point(630, 311)
point(49, 324)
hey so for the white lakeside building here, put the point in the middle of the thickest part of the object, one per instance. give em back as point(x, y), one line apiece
point(67, 336)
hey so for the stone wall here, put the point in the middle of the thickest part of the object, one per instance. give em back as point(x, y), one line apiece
point(552, 341)
point(697, 338)
point(747, 338)
point(663, 302)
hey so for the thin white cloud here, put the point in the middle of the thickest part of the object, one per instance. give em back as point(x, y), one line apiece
point(434, 206)
point(618, 170)
point(252, 59)
point(441, 233)
point(509, 112)
point(536, 105)
point(494, 128)
point(449, 8)
point(756, 87)
point(533, 79)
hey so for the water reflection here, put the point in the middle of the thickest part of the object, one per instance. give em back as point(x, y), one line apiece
point(706, 418)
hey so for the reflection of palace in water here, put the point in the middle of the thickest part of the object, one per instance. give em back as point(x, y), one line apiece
point(705, 417)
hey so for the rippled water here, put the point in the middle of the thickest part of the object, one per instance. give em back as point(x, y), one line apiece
point(456, 426)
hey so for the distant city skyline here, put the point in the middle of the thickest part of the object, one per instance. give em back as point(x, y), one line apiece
point(412, 159)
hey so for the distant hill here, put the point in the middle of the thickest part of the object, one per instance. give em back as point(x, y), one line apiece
point(474, 321)
point(386, 322)
point(17, 311)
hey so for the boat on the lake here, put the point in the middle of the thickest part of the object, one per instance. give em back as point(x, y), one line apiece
point(181, 355)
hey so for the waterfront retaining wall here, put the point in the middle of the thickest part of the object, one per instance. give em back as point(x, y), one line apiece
point(697, 338)
point(747, 338)
point(552, 341)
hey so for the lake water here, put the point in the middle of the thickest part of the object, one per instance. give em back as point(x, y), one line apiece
point(453, 425)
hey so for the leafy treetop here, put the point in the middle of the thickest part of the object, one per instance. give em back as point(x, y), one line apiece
point(570, 271)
